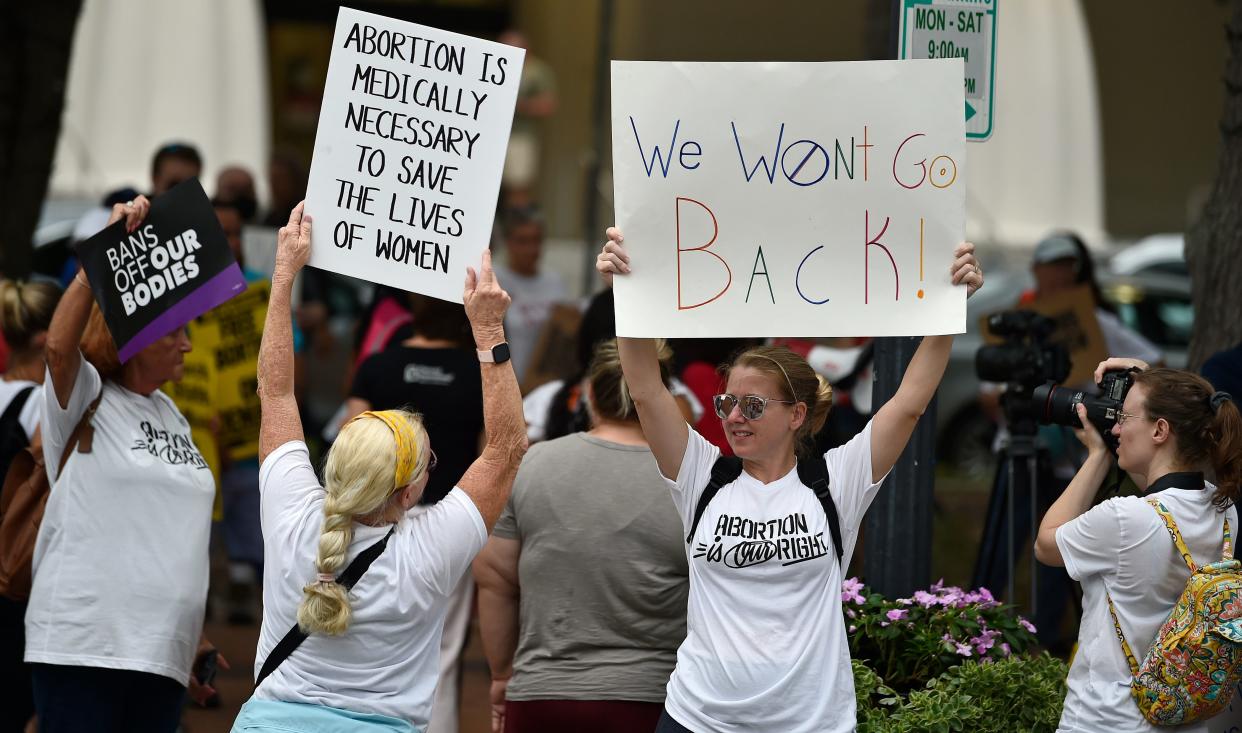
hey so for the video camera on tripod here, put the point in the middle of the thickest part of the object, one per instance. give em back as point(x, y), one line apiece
point(1024, 362)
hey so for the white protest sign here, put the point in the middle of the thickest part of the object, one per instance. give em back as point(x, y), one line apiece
point(789, 199)
point(411, 140)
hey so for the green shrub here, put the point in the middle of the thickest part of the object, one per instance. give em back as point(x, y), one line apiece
point(990, 696)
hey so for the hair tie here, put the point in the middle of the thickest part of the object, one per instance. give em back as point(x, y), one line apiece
point(406, 442)
point(326, 578)
point(1217, 399)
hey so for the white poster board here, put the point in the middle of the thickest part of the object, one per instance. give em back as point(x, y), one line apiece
point(411, 140)
point(789, 199)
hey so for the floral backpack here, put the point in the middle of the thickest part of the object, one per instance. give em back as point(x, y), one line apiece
point(1195, 663)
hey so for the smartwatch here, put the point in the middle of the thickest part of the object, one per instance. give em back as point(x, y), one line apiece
point(498, 354)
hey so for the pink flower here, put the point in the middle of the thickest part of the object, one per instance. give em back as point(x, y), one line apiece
point(1026, 624)
point(963, 649)
point(1005, 649)
point(850, 588)
point(896, 614)
point(924, 599)
point(853, 629)
point(850, 612)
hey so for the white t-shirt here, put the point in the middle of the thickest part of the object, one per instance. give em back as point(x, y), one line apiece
point(120, 564)
point(31, 411)
point(533, 298)
point(387, 662)
point(765, 648)
point(1121, 546)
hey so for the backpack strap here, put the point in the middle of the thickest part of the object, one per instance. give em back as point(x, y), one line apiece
point(814, 473)
point(1227, 553)
point(1125, 646)
point(725, 471)
point(1178, 542)
point(295, 636)
point(13, 412)
point(83, 435)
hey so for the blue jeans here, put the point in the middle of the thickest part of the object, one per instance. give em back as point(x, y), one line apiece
point(72, 699)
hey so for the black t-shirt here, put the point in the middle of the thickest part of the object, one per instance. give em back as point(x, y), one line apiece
point(443, 385)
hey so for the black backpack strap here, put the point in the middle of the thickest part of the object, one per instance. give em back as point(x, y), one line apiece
point(725, 471)
point(814, 473)
point(13, 412)
point(296, 636)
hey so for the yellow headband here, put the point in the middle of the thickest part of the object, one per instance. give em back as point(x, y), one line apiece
point(405, 438)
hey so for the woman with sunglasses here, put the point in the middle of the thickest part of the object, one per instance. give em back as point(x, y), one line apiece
point(1172, 430)
point(370, 660)
point(766, 648)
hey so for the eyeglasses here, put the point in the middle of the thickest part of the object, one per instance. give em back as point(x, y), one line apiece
point(752, 405)
point(431, 465)
point(1123, 416)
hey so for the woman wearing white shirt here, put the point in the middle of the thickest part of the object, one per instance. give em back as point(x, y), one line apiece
point(120, 567)
point(25, 313)
point(370, 660)
point(1172, 428)
point(766, 647)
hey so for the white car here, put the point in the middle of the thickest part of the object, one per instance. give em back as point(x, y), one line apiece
point(1160, 253)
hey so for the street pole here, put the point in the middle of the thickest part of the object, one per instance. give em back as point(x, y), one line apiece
point(601, 126)
point(898, 527)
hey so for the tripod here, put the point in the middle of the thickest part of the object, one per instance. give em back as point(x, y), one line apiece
point(1020, 462)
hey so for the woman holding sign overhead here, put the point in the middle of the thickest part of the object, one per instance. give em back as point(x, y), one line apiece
point(113, 629)
point(356, 586)
point(769, 535)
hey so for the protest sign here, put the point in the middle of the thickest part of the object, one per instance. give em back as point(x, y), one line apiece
point(230, 337)
point(1078, 330)
point(176, 265)
point(789, 199)
point(194, 395)
point(408, 154)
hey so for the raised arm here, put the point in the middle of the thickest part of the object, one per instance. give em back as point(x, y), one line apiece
point(496, 573)
point(662, 420)
point(1077, 497)
point(490, 477)
point(280, 421)
point(64, 334)
point(894, 423)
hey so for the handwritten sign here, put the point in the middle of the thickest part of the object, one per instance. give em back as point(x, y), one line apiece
point(789, 199)
point(231, 335)
point(175, 266)
point(409, 150)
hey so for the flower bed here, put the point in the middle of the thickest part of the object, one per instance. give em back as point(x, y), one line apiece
point(947, 659)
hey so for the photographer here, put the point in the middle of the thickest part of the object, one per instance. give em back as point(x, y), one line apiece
point(1172, 427)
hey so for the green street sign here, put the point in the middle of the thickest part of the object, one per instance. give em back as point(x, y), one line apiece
point(965, 29)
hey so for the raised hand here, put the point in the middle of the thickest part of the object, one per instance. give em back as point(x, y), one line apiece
point(965, 268)
point(293, 242)
point(133, 212)
point(612, 258)
point(486, 303)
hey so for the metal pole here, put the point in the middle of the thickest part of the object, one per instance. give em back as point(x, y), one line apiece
point(590, 217)
point(897, 543)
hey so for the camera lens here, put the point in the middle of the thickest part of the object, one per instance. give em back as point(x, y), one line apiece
point(1056, 405)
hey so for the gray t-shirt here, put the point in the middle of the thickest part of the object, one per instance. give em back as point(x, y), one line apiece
point(602, 572)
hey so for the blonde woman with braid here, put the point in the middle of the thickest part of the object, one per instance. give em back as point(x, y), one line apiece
point(332, 654)
point(765, 648)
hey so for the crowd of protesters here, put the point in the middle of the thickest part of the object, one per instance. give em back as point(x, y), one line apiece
point(603, 599)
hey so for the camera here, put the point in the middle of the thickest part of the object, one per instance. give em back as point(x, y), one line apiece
point(1026, 359)
point(1056, 405)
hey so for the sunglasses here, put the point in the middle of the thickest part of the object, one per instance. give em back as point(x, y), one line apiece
point(752, 405)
